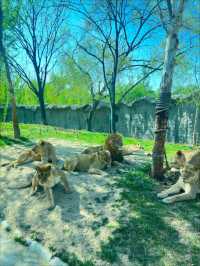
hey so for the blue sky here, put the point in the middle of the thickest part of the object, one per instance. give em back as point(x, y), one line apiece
point(152, 47)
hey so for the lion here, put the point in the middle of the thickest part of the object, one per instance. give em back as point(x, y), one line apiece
point(189, 182)
point(43, 151)
point(47, 152)
point(47, 176)
point(178, 162)
point(113, 143)
point(180, 159)
point(92, 163)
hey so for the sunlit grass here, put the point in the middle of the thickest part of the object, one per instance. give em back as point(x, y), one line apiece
point(35, 132)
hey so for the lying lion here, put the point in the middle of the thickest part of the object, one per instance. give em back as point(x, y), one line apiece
point(43, 151)
point(189, 182)
point(114, 144)
point(92, 163)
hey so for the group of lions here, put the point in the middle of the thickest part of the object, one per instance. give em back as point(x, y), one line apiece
point(95, 159)
point(189, 180)
point(92, 160)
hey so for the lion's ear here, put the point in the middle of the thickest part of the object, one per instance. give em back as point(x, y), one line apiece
point(41, 142)
point(48, 167)
point(179, 153)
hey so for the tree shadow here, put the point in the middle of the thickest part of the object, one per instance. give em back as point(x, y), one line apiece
point(10, 141)
point(145, 235)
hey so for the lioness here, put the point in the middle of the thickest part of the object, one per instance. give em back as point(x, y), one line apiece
point(48, 176)
point(179, 161)
point(93, 163)
point(43, 151)
point(189, 182)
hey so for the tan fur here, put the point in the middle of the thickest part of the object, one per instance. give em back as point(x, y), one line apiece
point(92, 163)
point(48, 176)
point(189, 182)
point(130, 149)
point(42, 151)
point(179, 161)
point(47, 152)
point(113, 143)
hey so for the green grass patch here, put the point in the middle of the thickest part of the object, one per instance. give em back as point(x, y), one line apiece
point(31, 132)
point(152, 233)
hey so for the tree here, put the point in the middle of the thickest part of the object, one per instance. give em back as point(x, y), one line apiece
point(171, 23)
point(117, 30)
point(40, 38)
point(4, 57)
point(90, 72)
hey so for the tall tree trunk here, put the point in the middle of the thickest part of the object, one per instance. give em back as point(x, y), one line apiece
point(196, 133)
point(16, 128)
point(162, 106)
point(42, 107)
point(113, 115)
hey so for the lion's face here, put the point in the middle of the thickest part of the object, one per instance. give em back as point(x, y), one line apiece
point(43, 172)
point(180, 159)
point(36, 148)
point(114, 141)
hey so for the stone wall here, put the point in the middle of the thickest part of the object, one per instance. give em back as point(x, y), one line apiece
point(135, 120)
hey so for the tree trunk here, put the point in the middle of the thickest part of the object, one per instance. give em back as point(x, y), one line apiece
point(91, 114)
point(42, 107)
point(16, 128)
point(113, 117)
point(162, 106)
point(196, 133)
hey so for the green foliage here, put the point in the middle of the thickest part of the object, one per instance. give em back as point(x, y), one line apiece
point(70, 87)
point(3, 88)
point(188, 94)
point(138, 92)
point(25, 96)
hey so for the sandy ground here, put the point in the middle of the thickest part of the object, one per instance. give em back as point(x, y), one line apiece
point(73, 224)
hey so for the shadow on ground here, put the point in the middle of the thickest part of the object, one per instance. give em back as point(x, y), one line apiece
point(152, 233)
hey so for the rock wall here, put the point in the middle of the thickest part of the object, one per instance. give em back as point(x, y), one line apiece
point(135, 120)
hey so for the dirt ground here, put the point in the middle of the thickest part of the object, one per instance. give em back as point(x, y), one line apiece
point(81, 219)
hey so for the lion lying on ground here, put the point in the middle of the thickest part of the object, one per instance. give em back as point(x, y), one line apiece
point(189, 181)
point(48, 176)
point(114, 144)
point(92, 163)
point(43, 151)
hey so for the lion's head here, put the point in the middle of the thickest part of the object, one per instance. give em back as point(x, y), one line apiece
point(114, 144)
point(43, 172)
point(179, 160)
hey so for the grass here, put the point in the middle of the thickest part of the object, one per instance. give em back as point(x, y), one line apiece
point(152, 233)
point(34, 132)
